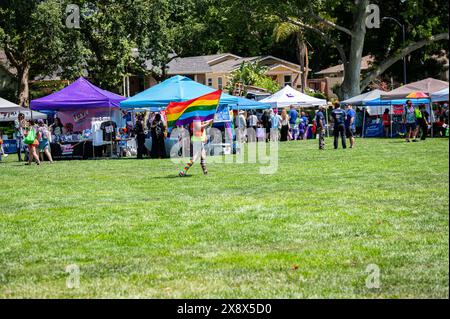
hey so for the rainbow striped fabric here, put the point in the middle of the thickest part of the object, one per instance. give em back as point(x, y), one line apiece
point(202, 109)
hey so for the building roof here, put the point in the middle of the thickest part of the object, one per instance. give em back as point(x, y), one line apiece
point(218, 63)
point(366, 63)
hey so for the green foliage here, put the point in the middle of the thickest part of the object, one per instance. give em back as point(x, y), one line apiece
point(253, 73)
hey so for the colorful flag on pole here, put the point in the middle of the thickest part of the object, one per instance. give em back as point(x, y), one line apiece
point(202, 109)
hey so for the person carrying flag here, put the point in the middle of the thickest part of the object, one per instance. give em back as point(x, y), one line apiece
point(199, 114)
point(198, 141)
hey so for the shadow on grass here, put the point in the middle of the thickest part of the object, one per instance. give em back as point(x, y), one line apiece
point(174, 176)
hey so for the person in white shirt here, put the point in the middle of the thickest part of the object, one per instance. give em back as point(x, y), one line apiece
point(252, 126)
point(241, 125)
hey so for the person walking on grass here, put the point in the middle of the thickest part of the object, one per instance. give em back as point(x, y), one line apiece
point(198, 140)
point(339, 117)
point(409, 119)
point(32, 146)
point(44, 138)
point(320, 127)
point(350, 125)
point(423, 122)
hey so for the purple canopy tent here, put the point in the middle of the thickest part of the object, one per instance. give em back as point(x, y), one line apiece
point(81, 94)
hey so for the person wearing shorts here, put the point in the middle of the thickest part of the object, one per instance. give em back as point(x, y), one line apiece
point(409, 118)
point(350, 125)
point(44, 141)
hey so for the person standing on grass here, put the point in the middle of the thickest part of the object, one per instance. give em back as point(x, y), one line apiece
point(339, 117)
point(386, 122)
point(2, 151)
point(423, 122)
point(284, 126)
point(305, 120)
point(350, 125)
point(275, 121)
point(19, 127)
point(320, 127)
point(140, 136)
point(293, 115)
point(158, 130)
point(44, 141)
point(409, 118)
point(265, 119)
point(32, 153)
point(198, 140)
point(252, 125)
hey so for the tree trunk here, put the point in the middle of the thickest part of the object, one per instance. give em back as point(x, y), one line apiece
point(352, 69)
point(302, 52)
point(23, 74)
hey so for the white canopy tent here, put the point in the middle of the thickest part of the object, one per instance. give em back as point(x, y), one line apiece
point(289, 96)
point(9, 112)
point(440, 96)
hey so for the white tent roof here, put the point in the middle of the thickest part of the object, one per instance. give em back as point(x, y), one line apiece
point(9, 112)
point(362, 99)
point(289, 96)
point(440, 96)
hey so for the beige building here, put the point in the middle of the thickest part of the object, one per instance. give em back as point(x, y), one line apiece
point(328, 78)
point(215, 70)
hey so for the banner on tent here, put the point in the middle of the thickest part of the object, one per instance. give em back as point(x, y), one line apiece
point(222, 114)
point(81, 119)
point(397, 109)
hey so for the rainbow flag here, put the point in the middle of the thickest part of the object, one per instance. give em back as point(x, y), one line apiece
point(202, 108)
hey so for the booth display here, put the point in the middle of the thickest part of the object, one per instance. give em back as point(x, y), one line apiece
point(289, 96)
point(91, 118)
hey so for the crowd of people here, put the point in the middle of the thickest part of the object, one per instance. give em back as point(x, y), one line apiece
point(34, 138)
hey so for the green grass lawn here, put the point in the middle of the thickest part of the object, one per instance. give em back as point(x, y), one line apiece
point(308, 231)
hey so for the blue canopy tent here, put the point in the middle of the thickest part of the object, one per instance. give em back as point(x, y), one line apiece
point(176, 89)
point(244, 104)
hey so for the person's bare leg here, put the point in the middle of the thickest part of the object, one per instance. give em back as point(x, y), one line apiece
point(35, 155)
point(49, 155)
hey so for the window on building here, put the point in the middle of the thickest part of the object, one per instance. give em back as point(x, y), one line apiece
point(220, 83)
point(209, 82)
point(287, 80)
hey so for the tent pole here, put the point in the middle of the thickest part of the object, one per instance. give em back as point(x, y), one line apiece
point(432, 119)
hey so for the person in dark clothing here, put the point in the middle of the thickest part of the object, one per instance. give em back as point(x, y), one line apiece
point(266, 121)
point(423, 122)
point(140, 137)
point(339, 116)
point(157, 131)
point(320, 127)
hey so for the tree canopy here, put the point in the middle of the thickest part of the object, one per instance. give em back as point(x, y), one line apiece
point(122, 37)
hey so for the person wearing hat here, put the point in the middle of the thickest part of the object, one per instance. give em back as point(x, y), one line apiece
point(320, 127)
point(44, 138)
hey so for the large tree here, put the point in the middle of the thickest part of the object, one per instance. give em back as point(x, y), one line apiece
point(31, 35)
point(342, 25)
